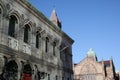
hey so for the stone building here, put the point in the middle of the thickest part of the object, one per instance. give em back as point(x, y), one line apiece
point(91, 69)
point(32, 47)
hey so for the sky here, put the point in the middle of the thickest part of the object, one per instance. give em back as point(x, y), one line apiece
point(90, 23)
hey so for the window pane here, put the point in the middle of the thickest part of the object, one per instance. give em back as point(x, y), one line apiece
point(11, 29)
point(26, 33)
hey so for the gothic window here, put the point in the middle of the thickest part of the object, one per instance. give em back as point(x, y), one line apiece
point(54, 46)
point(12, 24)
point(26, 33)
point(46, 44)
point(37, 39)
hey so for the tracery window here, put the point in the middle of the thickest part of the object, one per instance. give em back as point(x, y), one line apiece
point(26, 33)
point(12, 23)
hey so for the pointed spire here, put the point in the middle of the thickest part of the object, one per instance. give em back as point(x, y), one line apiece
point(55, 19)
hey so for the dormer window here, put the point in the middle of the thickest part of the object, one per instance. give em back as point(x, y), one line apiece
point(12, 24)
point(26, 33)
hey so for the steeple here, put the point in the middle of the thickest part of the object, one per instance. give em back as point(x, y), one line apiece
point(91, 54)
point(55, 19)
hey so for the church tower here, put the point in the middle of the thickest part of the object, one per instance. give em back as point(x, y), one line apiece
point(91, 54)
point(55, 19)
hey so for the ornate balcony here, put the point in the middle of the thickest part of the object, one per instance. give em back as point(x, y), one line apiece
point(26, 48)
point(13, 43)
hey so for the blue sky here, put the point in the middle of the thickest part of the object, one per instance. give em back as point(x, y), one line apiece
point(90, 23)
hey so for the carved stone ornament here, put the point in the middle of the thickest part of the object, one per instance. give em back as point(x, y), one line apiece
point(8, 6)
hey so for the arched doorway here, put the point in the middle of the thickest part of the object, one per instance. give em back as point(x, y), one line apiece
point(11, 70)
point(27, 72)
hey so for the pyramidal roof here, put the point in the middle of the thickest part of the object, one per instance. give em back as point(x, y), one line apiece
point(55, 19)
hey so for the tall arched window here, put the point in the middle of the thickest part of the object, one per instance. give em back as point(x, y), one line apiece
point(12, 23)
point(46, 44)
point(54, 46)
point(37, 39)
point(26, 33)
point(0, 11)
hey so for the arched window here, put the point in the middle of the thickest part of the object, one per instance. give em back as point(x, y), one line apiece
point(37, 39)
point(12, 24)
point(26, 33)
point(46, 44)
point(54, 46)
point(0, 11)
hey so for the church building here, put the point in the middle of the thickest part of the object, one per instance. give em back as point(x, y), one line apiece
point(92, 69)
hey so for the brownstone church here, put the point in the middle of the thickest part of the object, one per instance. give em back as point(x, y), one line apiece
point(91, 69)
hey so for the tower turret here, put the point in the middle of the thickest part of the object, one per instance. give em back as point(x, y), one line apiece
point(55, 19)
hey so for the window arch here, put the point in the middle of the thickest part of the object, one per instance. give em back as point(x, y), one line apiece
point(26, 33)
point(46, 44)
point(38, 35)
point(12, 23)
